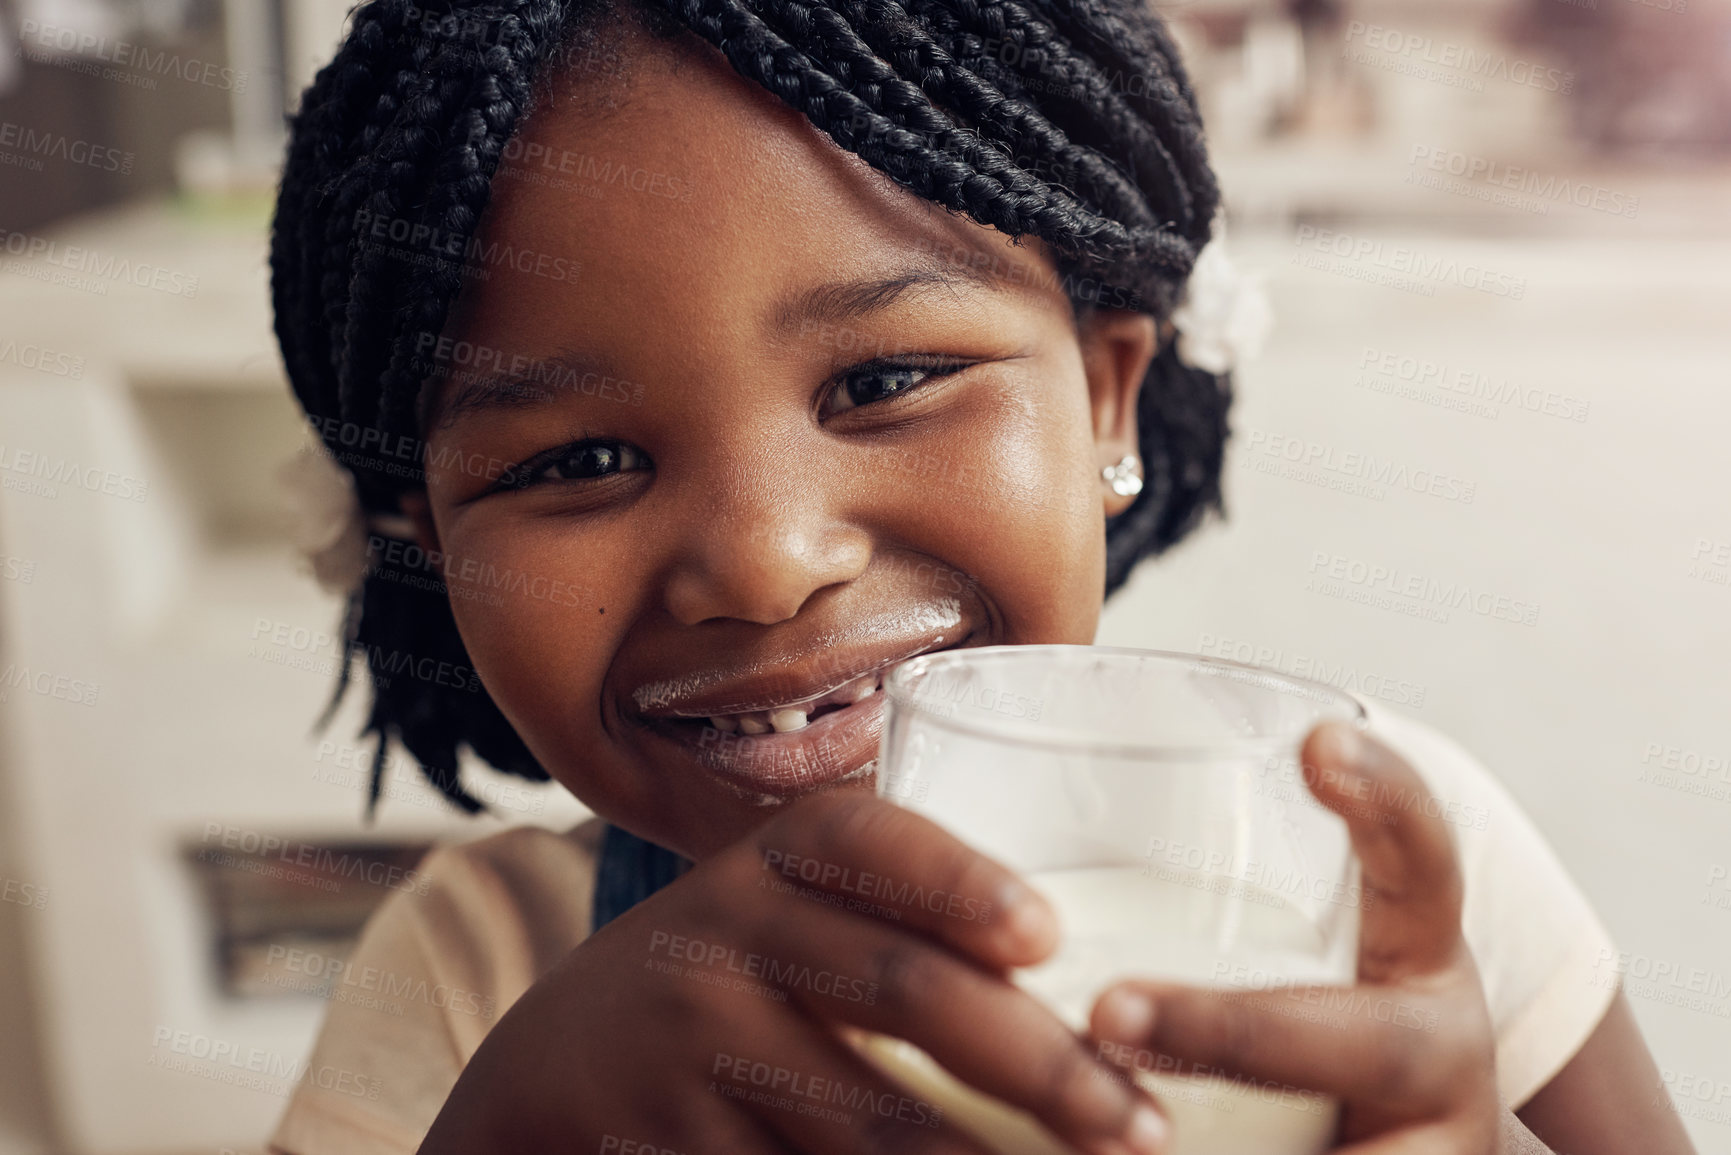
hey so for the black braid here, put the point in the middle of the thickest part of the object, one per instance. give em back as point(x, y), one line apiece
point(917, 56)
point(955, 169)
point(1042, 62)
point(1069, 120)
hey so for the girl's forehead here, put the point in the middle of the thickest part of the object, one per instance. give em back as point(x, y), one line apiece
point(676, 123)
point(694, 186)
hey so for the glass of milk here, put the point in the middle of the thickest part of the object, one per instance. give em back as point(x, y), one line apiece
point(1156, 799)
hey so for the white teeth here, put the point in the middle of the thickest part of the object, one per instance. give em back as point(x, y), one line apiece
point(787, 719)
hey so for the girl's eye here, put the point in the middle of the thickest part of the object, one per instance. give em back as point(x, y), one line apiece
point(580, 462)
point(880, 381)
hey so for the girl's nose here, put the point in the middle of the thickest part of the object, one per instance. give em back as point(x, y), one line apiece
point(761, 565)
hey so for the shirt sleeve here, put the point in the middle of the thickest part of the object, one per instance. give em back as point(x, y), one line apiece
point(400, 1048)
point(432, 972)
point(1536, 940)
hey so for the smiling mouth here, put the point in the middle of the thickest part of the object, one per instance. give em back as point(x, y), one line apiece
point(793, 716)
point(834, 743)
point(773, 753)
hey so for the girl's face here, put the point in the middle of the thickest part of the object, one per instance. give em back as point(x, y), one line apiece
point(728, 421)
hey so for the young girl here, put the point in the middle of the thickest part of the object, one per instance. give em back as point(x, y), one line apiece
point(713, 358)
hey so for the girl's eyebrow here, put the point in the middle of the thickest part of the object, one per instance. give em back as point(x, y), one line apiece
point(852, 300)
point(524, 382)
point(531, 381)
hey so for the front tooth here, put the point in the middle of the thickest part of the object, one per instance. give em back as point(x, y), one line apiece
point(752, 724)
point(865, 689)
point(724, 722)
point(787, 719)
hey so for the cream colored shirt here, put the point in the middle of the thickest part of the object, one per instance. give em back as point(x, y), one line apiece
point(500, 911)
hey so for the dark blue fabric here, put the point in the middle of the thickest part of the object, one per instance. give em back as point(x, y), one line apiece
point(631, 869)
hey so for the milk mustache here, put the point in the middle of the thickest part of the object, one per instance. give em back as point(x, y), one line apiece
point(1125, 921)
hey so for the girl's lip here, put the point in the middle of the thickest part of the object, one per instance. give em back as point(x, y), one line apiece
point(784, 765)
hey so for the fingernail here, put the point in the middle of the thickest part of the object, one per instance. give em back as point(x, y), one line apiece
point(1128, 1015)
point(1348, 747)
point(1029, 918)
point(1147, 1132)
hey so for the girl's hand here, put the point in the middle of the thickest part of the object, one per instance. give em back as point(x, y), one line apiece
point(1411, 1054)
point(707, 1019)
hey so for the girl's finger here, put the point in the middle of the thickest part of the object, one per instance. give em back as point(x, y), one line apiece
point(1412, 881)
point(1390, 1045)
point(730, 1130)
point(977, 1025)
point(860, 854)
point(819, 1097)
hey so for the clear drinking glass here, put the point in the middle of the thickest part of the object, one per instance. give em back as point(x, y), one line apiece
point(1156, 799)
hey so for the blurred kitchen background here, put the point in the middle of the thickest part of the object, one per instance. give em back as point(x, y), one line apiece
point(1497, 238)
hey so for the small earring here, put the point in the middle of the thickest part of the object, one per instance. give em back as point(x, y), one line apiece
point(1125, 478)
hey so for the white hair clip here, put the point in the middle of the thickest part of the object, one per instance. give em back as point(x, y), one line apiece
point(1225, 316)
point(326, 521)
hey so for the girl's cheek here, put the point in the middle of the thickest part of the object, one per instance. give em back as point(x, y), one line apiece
point(1032, 530)
point(533, 624)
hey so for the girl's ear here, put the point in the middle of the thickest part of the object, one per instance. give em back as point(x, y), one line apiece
point(1117, 348)
point(419, 511)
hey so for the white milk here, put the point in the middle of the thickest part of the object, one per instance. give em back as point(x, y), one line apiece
point(1121, 922)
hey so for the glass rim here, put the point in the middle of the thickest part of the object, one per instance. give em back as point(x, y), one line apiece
point(900, 694)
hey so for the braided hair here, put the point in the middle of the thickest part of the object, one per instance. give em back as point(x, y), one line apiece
point(1069, 120)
